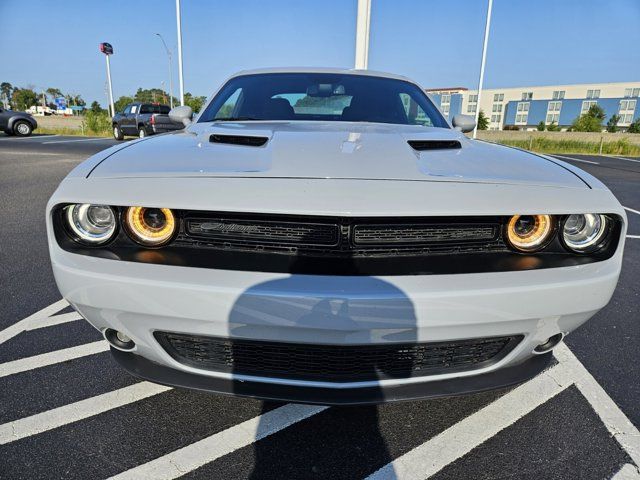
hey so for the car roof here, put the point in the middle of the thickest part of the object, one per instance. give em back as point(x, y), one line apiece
point(341, 71)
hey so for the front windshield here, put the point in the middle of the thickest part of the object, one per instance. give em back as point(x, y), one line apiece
point(323, 97)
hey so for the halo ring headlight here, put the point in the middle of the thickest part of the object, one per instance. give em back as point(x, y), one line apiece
point(91, 224)
point(584, 233)
point(529, 233)
point(151, 227)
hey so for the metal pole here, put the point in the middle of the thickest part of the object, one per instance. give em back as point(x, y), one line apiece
point(181, 78)
point(363, 25)
point(170, 70)
point(484, 58)
point(113, 108)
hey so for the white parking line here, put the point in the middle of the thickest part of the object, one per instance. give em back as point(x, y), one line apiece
point(623, 158)
point(631, 210)
point(627, 472)
point(187, 459)
point(38, 137)
point(74, 412)
point(613, 418)
point(73, 141)
point(51, 358)
point(459, 439)
point(55, 320)
point(575, 159)
point(26, 323)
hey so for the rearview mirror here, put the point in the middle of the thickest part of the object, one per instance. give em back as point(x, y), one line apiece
point(464, 123)
point(182, 114)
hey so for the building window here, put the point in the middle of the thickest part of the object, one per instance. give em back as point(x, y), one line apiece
point(527, 95)
point(523, 109)
point(473, 98)
point(558, 94)
point(553, 118)
point(627, 105)
point(554, 106)
point(631, 92)
point(586, 105)
point(445, 98)
point(471, 109)
point(498, 97)
point(593, 93)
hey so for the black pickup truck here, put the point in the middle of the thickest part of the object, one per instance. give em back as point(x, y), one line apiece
point(142, 119)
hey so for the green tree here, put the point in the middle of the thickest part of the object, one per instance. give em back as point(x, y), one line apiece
point(612, 124)
point(483, 121)
point(122, 102)
point(5, 93)
point(195, 103)
point(552, 127)
point(54, 93)
point(96, 108)
point(541, 126)
point(96, 122)
point(23, 98)
point(635, 126)
point(590, 121)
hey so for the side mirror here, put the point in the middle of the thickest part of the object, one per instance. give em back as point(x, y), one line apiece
point(464, 123)
point(182, 114)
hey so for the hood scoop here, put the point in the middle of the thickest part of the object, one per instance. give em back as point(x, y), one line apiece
point(246, 140)
point(421, 145)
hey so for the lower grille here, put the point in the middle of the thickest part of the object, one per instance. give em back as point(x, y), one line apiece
point(342, 363)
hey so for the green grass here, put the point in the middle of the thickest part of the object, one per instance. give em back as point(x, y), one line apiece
point(545, 145)
point(72, 131)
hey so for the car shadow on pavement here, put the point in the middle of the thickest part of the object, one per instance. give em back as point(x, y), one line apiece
point(312, 312)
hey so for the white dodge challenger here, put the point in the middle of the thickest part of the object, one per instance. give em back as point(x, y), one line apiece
point(326, 236)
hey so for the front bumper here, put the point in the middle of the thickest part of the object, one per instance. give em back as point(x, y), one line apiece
point(147, 370)
point(140, 299)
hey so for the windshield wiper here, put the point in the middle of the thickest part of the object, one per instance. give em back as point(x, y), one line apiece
point(233, 119)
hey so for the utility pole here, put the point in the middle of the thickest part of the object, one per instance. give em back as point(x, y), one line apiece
point(482, 62)
point(107, 49)
point(181, 78)
point(170, 70)
point(363, 25)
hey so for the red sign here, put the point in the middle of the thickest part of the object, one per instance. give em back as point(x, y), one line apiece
point(106, 48)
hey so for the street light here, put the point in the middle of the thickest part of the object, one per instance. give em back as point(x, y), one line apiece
point(170, 70)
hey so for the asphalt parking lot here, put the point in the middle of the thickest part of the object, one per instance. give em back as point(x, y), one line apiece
point(68, 411)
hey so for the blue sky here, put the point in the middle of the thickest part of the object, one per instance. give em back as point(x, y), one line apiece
point(437, 43)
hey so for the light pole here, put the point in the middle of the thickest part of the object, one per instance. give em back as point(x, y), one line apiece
point(170, 70)
point(484, 58)
point(107, 49)
point(363, 24)
point(181, 78)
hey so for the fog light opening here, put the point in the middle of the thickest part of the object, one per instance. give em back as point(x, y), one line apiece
point(118, 339)
point(549, 344)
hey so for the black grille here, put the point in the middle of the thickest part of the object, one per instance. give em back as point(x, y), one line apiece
point(434, 144)
point(256, 231)
point(428, 234)
point(247, 141)
point(342, 363)
point(341, 237)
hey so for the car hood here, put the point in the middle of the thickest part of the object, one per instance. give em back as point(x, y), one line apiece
point(338, 150)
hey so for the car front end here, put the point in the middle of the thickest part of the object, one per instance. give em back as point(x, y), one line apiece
point(293, 261)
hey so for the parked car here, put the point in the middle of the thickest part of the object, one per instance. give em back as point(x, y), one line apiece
point(142, 119)
point(327, 236)
point(17, 123)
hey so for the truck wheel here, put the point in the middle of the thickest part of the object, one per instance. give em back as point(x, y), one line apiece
point(117, 133)
point(142, 132)
point(22, 128)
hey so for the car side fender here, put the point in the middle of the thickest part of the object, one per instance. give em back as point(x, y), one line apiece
point(14, 118)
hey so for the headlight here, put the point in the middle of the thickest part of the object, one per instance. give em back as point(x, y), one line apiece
point(150, 226)
point(91, 224)
point(529, 233)
point(584, 233)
